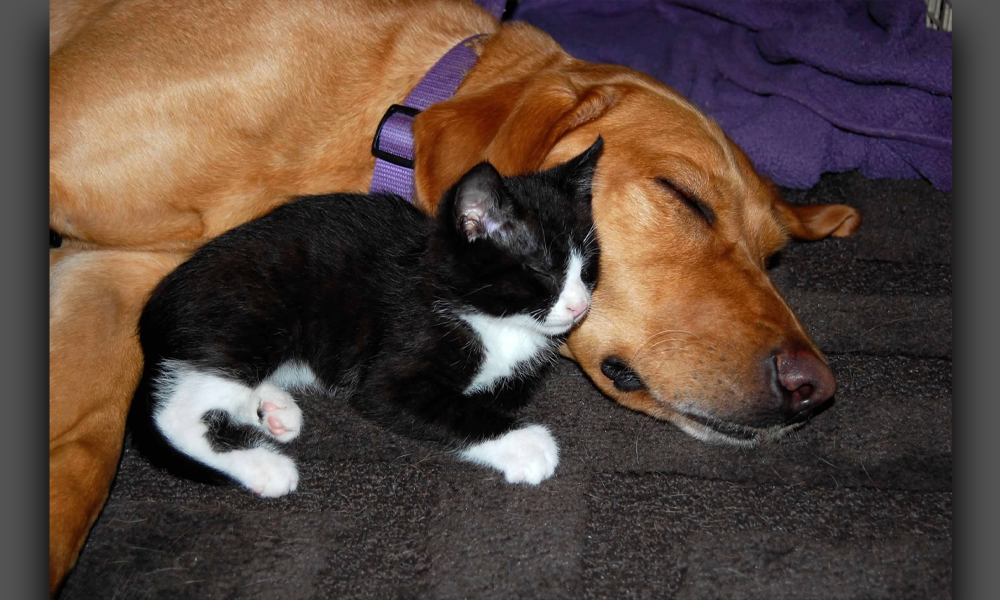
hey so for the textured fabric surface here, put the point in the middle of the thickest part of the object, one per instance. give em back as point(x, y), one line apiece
point(857, 504)
point(804, 88)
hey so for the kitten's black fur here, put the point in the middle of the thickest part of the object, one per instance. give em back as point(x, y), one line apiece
point(369, 292)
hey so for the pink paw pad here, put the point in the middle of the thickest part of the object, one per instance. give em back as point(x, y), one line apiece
point(275, 426)
point(279, 413)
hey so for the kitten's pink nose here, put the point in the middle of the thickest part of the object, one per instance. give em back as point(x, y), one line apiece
point(577, 306)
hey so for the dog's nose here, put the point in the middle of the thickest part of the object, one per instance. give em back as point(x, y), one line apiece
point(804, 381)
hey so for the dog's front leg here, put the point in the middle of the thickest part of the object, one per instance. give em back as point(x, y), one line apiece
point(95, 298)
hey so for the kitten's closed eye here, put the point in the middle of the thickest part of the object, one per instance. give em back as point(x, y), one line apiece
point(541, 272)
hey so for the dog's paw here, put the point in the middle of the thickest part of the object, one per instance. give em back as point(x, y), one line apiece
point(265, 472)
point(278, 412)
point(526, 455)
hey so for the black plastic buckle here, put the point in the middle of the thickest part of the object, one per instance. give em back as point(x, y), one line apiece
point(395, 159)
point(508, 10)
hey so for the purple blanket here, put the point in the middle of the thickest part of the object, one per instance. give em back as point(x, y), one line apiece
point(803, 87)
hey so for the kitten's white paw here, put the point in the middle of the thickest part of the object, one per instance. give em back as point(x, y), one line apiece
point(278, 412)
point(526, 455)
point(265, 472)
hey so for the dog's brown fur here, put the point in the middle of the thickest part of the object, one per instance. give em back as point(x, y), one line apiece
point(171, 123)
point(94, 363)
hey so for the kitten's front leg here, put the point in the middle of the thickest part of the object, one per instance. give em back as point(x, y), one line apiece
point(523, 453)
point(526, 455)
point(262, 470)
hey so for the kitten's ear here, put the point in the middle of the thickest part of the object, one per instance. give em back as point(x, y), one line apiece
point(578, 172)
point(478, 202)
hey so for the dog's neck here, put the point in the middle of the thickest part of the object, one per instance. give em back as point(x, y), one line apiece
point(392, 144)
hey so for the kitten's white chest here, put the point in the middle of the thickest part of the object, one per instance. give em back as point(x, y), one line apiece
point(509, 347)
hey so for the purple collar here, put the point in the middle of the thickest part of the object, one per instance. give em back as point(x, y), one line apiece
point(393, 142)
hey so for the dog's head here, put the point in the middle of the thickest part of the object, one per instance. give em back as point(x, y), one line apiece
point(685, 323)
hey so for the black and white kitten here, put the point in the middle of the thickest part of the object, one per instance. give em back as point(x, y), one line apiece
point(431, 326)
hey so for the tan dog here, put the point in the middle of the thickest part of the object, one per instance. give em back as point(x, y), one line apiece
point(173, 122)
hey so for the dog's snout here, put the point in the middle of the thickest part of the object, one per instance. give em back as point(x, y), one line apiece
point(802, 380)
point(621, 375)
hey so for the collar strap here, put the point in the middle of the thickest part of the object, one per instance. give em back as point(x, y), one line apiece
point(393, 142)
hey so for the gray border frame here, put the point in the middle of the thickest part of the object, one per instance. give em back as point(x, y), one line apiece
point(24, 558)
point(976, 251)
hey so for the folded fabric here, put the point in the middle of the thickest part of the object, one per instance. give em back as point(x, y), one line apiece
point(803, 87)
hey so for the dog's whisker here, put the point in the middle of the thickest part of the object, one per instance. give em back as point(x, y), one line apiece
point(635, 355)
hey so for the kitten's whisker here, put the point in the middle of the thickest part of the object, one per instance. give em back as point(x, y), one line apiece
point(541, 229)
point(477, 290)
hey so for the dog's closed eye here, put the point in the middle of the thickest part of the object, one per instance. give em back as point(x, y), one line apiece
point(690, 200)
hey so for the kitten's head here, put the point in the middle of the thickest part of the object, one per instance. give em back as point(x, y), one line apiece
point(524, 248)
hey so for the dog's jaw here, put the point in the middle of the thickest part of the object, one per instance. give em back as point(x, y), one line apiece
point(727, 433)
point(716, 430)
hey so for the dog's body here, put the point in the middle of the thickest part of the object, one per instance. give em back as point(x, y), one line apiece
point(171, 123)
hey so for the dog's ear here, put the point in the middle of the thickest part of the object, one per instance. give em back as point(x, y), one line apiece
point(512, 125)
point(817, 221)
